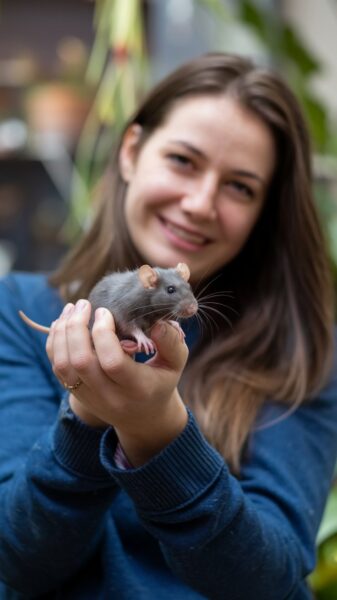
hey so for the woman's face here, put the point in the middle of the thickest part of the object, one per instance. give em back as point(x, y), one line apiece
point(197, 186)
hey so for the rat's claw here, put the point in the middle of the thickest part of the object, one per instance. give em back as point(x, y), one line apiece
point(149, 348)
point(144, 343)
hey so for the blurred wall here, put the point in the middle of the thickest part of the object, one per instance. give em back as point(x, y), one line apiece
point(44, 46)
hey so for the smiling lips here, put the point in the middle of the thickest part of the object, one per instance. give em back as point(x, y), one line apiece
point(191, 237)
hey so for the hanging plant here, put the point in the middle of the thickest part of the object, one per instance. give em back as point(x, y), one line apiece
point(117, 70)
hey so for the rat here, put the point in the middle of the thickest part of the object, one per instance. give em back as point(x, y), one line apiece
point(138, 299)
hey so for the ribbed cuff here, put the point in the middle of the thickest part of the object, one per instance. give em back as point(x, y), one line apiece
point(77, 446)
point(178, 474)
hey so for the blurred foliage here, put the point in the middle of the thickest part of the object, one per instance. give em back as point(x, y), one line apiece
point(324, 579)
point(290, 55)
point(118, 71)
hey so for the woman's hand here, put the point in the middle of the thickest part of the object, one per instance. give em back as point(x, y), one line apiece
point(141, 401)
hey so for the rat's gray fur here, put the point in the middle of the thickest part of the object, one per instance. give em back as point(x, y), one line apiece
point(134, 305)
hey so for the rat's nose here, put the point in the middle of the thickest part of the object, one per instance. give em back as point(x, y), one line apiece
point(191, 309)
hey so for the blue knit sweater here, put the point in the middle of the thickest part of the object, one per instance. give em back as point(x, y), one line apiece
point(75, 526)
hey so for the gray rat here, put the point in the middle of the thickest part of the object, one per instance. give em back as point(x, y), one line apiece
point(138, 299)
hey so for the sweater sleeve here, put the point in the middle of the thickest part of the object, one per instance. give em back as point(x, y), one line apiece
point(54, 492)
point(247, 538)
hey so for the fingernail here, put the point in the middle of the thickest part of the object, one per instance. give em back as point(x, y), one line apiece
point(68, 309)
point(100, 313)
point(80, 305)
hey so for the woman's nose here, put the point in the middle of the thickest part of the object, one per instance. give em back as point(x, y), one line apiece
point(201, 199)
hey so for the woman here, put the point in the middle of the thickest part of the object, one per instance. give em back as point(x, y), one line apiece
point(146, 483)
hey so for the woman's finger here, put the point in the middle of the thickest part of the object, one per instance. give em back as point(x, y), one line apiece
point(172, 351)
point(50, 342)
point(81, 354)
point(64, 344)
point(129, 347)
point(111, 355)
point(57, 345)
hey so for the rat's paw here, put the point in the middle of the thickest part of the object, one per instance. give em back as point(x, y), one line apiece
point(145, 344)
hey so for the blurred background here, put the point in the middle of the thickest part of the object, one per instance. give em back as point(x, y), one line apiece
point(71, 71)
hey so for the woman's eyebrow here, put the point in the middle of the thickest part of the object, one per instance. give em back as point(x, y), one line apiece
point(250, 174)
point(200, 154)
point(189, 147)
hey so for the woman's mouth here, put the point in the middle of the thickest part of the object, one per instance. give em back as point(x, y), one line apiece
point(184, 238)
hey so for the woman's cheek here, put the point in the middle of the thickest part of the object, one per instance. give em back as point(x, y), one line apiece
point(237, 220)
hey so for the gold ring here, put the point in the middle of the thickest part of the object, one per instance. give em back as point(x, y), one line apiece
point(72, 387)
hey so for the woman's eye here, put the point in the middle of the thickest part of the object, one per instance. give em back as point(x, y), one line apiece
point(180, 160)
point(243, 189)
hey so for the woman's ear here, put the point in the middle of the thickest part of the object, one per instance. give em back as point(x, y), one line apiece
point(129, 150)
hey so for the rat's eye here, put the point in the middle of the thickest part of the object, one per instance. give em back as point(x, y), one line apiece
point(171, 289)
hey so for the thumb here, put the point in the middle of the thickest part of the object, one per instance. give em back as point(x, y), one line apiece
point(171, 348)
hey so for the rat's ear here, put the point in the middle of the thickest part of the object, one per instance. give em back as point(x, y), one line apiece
point(128, 152)
point(148, 276)
point(183, 271)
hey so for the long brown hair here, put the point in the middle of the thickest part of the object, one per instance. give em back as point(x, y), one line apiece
point(280, 343)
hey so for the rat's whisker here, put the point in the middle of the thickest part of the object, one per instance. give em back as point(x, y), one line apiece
point(207, 285)
point(216, 295)
point(206, 301)
point(200, 322)
point(166, 317)
point(206, 322)
point(153, 310)
point(202, 278)
point(218, 312)
point(213, 303)
point(212, 308)
point(212, 323)
point(150, 306)
point(202, 318)
point(205, 316)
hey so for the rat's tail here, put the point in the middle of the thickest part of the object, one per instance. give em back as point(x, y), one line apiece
point(33, 323)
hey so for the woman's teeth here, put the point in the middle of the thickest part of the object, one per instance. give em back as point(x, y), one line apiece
point(186, 235)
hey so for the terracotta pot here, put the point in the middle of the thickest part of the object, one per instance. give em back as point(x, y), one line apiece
point(57, 108)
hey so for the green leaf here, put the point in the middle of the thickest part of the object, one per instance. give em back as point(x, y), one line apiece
point(293, 48)
point(255, 18)
point(332, 230)
point(329, 522)
point(217, 6)
point(318, 120)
